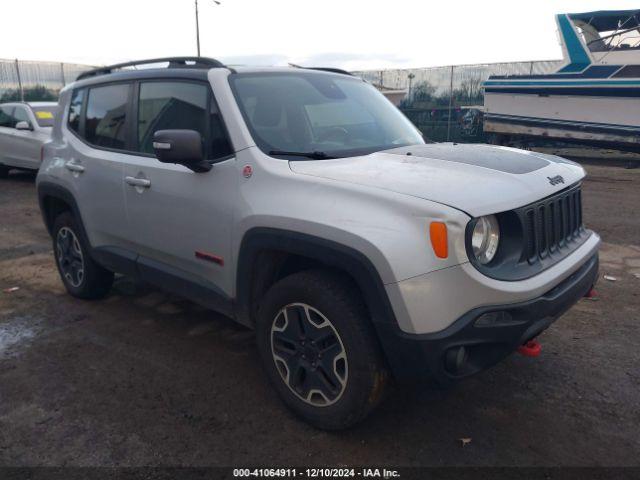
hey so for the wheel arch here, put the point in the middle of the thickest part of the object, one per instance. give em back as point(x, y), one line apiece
point(265, 253)
point(54, 200)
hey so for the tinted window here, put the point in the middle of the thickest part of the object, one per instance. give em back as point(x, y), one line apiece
point(44, 115)
point(106, 116)
point(221, 147)
point(6, 117)
point(75, 109)
point(179, 105)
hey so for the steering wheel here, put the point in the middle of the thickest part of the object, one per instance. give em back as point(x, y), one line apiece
point(335, 133)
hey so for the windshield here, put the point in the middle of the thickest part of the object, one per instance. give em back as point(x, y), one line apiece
point(323, 113)
point(625, 37)
point(44, 115)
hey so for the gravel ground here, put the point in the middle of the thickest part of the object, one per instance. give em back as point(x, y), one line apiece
point(144, 378)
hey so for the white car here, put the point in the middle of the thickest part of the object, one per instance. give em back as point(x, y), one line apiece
point(24, 127)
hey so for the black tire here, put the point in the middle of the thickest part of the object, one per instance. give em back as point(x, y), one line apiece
point(360, 370)
point(94, 281)
point(4, 171)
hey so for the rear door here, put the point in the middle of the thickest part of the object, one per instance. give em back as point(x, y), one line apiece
point(181, 219)
point(96, 147)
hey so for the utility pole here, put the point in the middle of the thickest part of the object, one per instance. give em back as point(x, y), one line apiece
point(411, 76)
point(197, 28)
point(20, 87)
point(198, 24)
point(450, 105)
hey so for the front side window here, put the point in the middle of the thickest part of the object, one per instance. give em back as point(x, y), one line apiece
point(75, 110)
point(181, 106)
point(315, 112)
point(106, 116)
point(21, 115)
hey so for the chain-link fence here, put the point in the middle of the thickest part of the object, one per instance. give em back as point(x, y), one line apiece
point(445, 102)
point(22, 80)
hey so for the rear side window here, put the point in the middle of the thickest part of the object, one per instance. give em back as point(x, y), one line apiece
point(180, 105)
point(106, 116)
point(75, 110)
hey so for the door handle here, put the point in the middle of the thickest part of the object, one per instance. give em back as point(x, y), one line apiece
point(138, 182)
point(74, 167)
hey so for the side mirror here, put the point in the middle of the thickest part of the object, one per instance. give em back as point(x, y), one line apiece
point(23, 126)
point(183, 147)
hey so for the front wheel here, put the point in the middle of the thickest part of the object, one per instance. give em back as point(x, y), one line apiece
point(319, 350)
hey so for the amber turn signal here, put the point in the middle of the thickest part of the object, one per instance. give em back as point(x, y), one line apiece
point(439, 240)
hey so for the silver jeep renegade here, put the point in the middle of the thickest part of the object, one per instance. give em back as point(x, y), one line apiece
point(302, 203)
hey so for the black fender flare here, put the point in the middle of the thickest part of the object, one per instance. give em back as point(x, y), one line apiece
point(52, 190)
point(332, 254)
point(328, 252)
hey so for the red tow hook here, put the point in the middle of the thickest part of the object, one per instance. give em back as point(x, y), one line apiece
point(530, 349)
point(591, 293)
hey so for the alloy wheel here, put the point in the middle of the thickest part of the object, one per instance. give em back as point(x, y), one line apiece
point(70, 257)
point(309, 354)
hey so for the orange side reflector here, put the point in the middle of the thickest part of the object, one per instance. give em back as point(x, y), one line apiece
point(439, 240)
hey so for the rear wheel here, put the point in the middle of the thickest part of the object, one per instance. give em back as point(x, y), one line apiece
point(319, 350)
point(81, 275)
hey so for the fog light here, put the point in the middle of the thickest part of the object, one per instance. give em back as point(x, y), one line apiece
point(492, 319)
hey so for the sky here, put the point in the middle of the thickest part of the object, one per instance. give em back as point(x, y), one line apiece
point(350, 34)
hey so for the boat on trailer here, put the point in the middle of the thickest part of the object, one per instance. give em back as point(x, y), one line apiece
point(594, 98)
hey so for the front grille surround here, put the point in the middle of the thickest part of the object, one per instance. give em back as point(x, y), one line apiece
point(551, 224)
point(536, 236)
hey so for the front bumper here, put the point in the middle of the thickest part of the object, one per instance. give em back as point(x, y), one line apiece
point(483, 336)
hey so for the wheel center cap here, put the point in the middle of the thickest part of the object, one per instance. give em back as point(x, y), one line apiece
point(310, 351)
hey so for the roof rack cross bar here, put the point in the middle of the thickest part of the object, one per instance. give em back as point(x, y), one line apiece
point(174, 62)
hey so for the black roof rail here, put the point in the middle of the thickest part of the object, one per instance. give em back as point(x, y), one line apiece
point(174, 62)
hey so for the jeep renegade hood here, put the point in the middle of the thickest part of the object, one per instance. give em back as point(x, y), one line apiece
point(477, 179)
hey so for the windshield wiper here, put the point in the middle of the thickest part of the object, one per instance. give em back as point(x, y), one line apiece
point(312, 155)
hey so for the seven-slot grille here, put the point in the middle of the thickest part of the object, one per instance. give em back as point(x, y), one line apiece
point(551, 224)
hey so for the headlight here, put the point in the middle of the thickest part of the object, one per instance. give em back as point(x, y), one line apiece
point(485, 238)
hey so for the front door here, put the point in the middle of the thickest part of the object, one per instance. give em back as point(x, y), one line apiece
point(26, 143)
point(181, 220)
